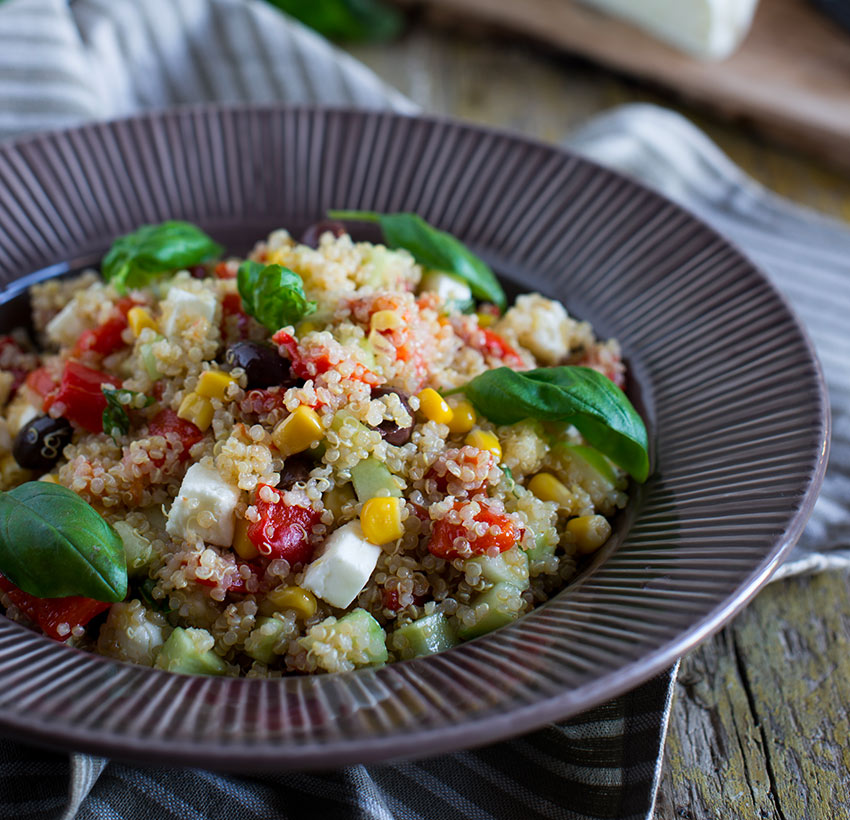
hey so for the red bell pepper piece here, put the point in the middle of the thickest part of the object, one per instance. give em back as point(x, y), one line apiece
point(444, 534)
point(81, 396)
point(167, 421)
point(283, 530)
point(104, 339)
point(50, 613)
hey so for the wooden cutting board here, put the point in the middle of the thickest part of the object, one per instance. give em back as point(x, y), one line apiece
point(790, 78)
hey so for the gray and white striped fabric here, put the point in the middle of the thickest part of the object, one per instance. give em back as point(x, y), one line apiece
point(61, 64)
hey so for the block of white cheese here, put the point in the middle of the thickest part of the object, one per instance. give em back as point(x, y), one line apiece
point(345, 565)
point(66, 326)
point(708, 29)
point(449, 288)
point(182, 307)
point(204, 507)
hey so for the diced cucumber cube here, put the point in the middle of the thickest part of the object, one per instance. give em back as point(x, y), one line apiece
point(588, 465)
point(371, 479)
point(428, 635)
point(542, 548)
point(510, 566)
point(190, 651)
point(504, 604)
point(357, 637)
point(265, 635)
point(149, 359)
point(137, 549)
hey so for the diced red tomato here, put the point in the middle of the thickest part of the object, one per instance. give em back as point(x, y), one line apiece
point(283, 530)
point(81, 396)
point(444, 534)
point(124, 304)
point(41, 381)
point(50, 613)
point(103, 340)
point(167, 421)
point(224, 271)
point(496, 346)
point(307, 364)
point(390, 599)
point(231, 306)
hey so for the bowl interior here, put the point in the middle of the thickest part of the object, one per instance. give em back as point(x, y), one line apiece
point(724, 376)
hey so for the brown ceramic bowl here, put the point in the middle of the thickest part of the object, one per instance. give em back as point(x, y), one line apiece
point(724, 375)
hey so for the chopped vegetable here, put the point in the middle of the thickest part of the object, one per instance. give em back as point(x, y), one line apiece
point(80, 395)
point(283, 530)
point(444, 534)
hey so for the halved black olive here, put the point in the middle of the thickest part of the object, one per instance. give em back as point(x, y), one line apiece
point(296, 468)
point(39, 443)
point(263, 365)
point(313, 232)
point(389, 430)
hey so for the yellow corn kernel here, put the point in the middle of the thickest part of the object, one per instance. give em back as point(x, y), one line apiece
point(276, 257)
point(463, 418)
point(434, 407)
point(589, 531)
point(385, 320)
point(380, 519)
point(213, 384)
point(484, 441)
point(196, 409)
point(243, 546)
point(306, 327)
point(49, 478)
point(485, 319)
point(298, 431)
point(301, 600)
point(138, 319)
point(547, 488)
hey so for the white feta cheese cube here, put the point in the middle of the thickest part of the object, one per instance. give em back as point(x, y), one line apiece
point(540, 325)
point(449, 288)
point(182, 307)
point(345, 565)
point(66, 326)
point(204, 507)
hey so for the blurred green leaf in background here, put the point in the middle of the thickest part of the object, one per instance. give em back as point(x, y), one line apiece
point(356, 20)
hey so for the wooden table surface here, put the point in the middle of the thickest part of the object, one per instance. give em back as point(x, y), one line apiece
point(760, 724)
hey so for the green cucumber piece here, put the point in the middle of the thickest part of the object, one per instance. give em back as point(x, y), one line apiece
point(137, 549)
point(149, 359)
point(504, 607)
point(542, 548)
point(425, 636)
point(589, 464)
point(371, 479)
point(510, 566)
point(190, 651)
point(261, 642)
point(367, 640)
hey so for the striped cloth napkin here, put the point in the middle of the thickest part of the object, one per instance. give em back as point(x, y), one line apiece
point(61, 64)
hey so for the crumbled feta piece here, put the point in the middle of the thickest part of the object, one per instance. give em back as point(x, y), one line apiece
point(204, 507)
point(182, 307)
point(345, 565)
point(542, 326)
point(447, 287)
point(66, 326)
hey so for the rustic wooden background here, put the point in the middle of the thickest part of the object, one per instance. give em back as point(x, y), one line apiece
point(760, 724)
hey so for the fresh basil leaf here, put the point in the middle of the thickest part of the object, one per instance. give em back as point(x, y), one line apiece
point(434, 249)
point(273, 295)
point(146, 594)
point(363, 20)
point(53, 544)
point(116, 421)
point(577, 395)
point(135, 259)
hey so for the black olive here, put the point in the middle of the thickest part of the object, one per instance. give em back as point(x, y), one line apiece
point(263, 365)
point(295, 468)
point(39, 443)
point(389, 430)
point(313, 232)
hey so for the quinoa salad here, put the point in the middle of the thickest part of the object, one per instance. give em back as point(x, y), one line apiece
point(329, 455)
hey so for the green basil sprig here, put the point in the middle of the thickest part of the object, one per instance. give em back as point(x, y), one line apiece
point(273, 295)
point(578, 395)
point(366, 20)
point(53, 544)
point(135, 259)
point(116, 421)
point(434, 249)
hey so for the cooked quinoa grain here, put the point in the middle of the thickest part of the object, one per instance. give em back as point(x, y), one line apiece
point(246, 479)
